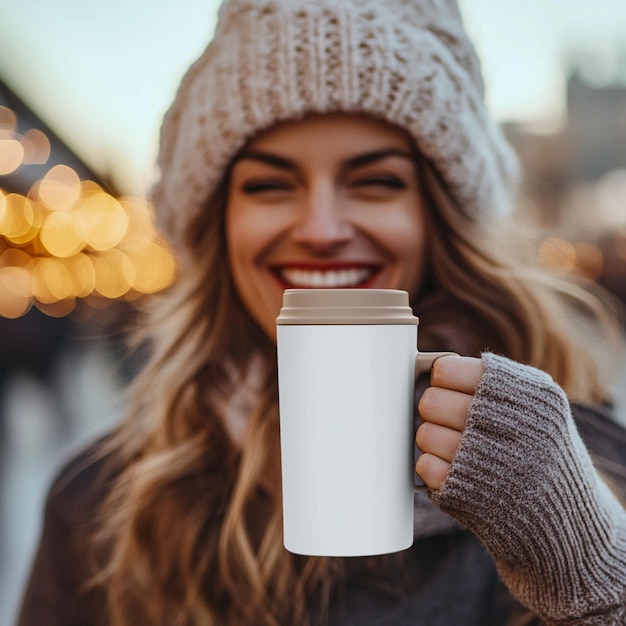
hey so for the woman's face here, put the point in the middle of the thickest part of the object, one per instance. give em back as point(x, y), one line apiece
point(326, 202)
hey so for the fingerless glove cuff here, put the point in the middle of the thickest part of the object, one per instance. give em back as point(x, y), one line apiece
point(523, 482)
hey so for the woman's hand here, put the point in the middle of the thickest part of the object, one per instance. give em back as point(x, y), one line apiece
point(444, 408)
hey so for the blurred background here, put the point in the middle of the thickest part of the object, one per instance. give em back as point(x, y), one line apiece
point(82, 92)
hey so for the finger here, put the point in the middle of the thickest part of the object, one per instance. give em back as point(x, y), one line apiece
point(432, 470)
point(444, 407)
point(438, 440)
point(459, 373)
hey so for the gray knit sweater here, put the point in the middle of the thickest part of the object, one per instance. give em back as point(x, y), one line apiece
point(523, 482)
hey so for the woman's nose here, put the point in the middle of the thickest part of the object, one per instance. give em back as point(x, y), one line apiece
point(321, 225)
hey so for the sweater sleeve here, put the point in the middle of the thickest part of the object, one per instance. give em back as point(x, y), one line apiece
point(524, 483)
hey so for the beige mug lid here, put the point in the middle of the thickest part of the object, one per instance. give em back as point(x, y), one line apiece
point(346, 306)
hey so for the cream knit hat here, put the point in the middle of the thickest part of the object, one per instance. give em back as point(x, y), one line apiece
point(409, 62)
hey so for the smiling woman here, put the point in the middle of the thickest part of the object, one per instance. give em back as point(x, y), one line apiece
point(307, 210)
point(348, 145)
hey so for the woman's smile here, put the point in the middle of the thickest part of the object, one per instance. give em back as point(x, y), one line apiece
point(325, 202)
point(337, 275)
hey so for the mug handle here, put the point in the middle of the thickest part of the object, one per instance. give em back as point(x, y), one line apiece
point(423, 362)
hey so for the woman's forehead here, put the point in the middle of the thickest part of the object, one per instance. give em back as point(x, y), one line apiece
point(331, 131)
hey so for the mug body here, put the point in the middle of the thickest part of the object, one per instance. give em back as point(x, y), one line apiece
point(346, 398)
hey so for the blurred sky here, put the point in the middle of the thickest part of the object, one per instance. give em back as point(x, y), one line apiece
point(101, 73)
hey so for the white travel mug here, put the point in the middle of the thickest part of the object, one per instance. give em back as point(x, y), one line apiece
point(347, 361)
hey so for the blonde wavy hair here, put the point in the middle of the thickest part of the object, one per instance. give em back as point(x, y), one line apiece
point(191, 532)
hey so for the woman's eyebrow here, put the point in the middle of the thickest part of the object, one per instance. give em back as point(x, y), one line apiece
point(359, 160)
point(367, 158)
point(269, 159)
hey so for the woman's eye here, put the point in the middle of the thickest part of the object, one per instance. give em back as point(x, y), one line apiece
point(262, 186)
point(383, 181)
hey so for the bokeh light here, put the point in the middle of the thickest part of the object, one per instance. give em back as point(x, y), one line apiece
point(15, 285)
point(69, 239)
point(11, 153)
point(582, 257)
point(154, 268)
point(60, 188)
point(589, 260)
point(8, 119)
point(36, 147)
point(19, 219)
point(60, 236)
point(558, 254)
point(103, 221)
point(115, 274)
point(51, 280)
point(82, 273)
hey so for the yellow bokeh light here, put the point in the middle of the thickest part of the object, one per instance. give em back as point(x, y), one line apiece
point(3, 206)
point(13, 257)
point(51, 281)
point(36, 147)
point(16, 281)
point(8, 119)
point(15, 292)
point(60, 308)
point(71, 239)
point(11, 155)
point(140, 223)
point(154, 268)
point(589, 260)
point(103, 221)
point(115, 274)
point(59, 235)
point(558, 254)
point(60, 188)
point(20, 219)
point(90, 187)
point(33, 216)
point(13, 307)
point(82, 273)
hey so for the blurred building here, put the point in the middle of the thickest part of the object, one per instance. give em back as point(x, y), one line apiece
point(596, 128)
point(575, 178)
point(591, 145)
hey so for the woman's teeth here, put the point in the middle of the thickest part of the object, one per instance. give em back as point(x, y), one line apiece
point(325, 278)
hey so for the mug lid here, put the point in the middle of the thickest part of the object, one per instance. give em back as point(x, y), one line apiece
point(345, 306)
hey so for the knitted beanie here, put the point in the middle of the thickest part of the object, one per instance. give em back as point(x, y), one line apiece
point(408, 62)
